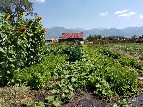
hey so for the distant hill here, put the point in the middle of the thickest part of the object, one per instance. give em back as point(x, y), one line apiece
point(55, 32)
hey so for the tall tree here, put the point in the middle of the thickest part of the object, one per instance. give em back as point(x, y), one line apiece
point(15, 8)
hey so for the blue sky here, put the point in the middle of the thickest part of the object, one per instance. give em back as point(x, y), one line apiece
point(89, 14)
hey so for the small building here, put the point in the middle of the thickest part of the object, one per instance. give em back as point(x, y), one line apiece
point(47, 41)
point(72, 37)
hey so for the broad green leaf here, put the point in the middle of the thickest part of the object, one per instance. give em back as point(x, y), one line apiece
point(1, 50)
point(50, 98)
point(57, 103)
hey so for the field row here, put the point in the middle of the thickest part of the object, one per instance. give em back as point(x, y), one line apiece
point(67, 70)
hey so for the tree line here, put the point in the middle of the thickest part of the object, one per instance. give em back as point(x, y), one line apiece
point(112, 38)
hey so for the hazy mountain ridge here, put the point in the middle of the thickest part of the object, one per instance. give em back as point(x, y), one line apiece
point(56, 32)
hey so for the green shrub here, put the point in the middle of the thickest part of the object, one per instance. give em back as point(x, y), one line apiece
point(100, 86)
point(35, 76)
point(74, 52)
point(21, 45)
point(38, 75)
point(141, 57)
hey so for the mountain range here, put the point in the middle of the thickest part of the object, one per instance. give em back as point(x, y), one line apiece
point(56, 32)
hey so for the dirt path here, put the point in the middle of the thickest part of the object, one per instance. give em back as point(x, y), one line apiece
point(87, 100)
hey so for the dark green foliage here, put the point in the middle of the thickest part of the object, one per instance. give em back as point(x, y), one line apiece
point(38, 75)
point(94, 37)
point(21, 45)
point(141, 57)
point(74, 52)
point(99, 86)
point(111, 54)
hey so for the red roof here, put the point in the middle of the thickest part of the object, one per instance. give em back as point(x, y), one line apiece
point(72, 35)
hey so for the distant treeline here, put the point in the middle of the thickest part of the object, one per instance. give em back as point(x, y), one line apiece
point(114, 39)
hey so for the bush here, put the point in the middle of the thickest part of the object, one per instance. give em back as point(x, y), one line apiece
point(38, 75)
point(21, 45)
point(35, 76)
point(74, 52)
point(100, 86)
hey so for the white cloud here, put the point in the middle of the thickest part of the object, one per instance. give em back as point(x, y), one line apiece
point(127, 14)
point(104, 14)
point(141, 16)
point(120, 12)
point(40, 1)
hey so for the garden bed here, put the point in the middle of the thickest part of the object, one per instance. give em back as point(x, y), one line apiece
point(74, 76)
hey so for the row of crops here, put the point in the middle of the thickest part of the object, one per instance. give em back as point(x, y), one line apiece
point(133, 49)
point(66, 70)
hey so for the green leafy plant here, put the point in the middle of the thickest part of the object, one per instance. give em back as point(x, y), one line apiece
point(99, 86)
point(21, 45)
point(74, 53)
